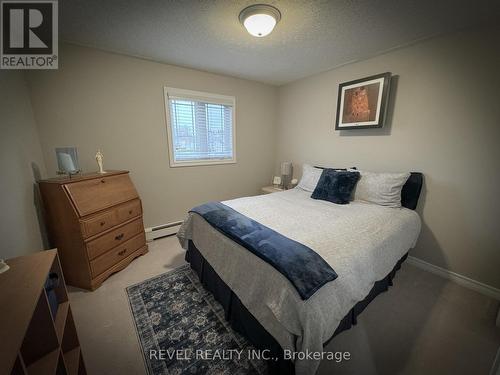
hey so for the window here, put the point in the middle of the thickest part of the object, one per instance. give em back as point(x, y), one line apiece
point(200, 127)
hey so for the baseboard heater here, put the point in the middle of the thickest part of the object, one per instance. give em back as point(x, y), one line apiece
point(163, 230)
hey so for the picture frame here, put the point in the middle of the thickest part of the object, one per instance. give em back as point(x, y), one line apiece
point(362, 103)
point(67, 160)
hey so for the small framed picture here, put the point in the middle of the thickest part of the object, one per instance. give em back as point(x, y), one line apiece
point(67, 160)
point(362, 103)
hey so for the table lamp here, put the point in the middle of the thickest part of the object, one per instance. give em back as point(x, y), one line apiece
point(286, 173)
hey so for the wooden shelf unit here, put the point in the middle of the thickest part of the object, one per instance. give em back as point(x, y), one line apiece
point(32, 340)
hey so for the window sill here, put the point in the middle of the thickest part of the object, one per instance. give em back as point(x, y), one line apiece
point(201, 163)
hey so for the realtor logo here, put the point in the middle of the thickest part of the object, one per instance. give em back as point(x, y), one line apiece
point(29, 37)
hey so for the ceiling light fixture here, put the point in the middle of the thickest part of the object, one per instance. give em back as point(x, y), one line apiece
point(260, 19)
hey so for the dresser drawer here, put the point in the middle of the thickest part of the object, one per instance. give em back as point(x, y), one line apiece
point(89, 196)
point(115, 215)
point(98, 224)
point(116, 255)
point(114, 238)
point(129, 210)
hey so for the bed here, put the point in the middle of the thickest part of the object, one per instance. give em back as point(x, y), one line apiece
point(364, 243)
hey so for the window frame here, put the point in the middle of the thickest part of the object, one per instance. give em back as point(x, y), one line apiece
point(202, 96)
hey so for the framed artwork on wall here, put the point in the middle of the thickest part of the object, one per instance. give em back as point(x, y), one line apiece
point(362, 103)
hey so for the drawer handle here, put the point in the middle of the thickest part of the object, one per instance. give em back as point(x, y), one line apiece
point(119, 237)
point(122, 252)
point(103, 181)
point(102, 223)
point(130, 212)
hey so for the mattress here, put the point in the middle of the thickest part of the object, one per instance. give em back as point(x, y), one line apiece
point(361, 241)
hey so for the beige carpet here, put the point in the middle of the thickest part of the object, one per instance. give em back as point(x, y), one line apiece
point(422, 325)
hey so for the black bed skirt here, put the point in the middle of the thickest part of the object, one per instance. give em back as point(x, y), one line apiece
point(243, 321)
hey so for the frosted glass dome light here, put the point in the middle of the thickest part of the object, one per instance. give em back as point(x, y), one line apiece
point(260, 19)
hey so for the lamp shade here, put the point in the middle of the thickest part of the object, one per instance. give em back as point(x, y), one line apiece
point(286, 168)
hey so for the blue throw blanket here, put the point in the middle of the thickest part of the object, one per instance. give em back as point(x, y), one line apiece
point(304, 268)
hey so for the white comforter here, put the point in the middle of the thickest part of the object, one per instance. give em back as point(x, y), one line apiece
point(362, 242)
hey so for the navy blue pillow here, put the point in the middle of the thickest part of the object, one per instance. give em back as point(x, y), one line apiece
point(335, 186)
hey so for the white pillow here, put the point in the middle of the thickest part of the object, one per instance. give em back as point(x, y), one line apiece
point(310, 177)
point(380, 188)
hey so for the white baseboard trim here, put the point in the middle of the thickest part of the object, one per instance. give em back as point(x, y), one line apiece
point(162, 230)
point(469, 283)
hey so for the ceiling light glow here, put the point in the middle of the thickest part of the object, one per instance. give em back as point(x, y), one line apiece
point(260, 19)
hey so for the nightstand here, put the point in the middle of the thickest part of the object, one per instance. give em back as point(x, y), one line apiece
point(271, 189)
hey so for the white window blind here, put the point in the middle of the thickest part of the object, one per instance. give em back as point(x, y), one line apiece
point(201, 127)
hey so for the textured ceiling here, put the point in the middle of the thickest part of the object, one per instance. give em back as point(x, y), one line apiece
point(312, 36)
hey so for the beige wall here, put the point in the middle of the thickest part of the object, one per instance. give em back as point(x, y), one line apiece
point(445, 123)
point(20, 160)
point(115, 103)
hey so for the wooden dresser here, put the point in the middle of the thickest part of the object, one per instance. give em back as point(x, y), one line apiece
point(95, 221)
point(37, 331)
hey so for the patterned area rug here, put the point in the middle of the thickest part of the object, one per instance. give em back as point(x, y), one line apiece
point(182, 330)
